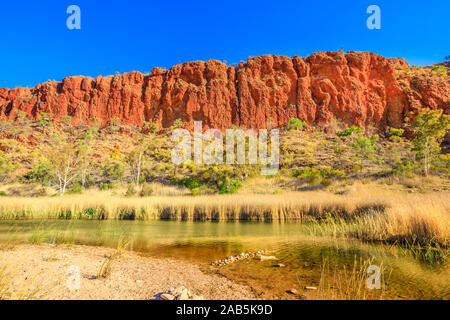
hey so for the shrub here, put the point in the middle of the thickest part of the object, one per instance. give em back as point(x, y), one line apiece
point(108, 186)
point(21, 115)
point(6, 165)
point(178, 123)
point(227, 185)
point(114, 124)
point(325, 182)
point(43, 123)
point(313, 175)
point(146, 190)
point(131, 190)
point(349, 131)
point(67, 119)
point(91, 132)
point(401, 166)
point(439, 70)
point(76, 189)
point(190, 183)
point(393, 132)
point(295, 124)
point(40, 172)
point(113, 170)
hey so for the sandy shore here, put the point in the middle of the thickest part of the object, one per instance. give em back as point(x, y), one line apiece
point(45, 271)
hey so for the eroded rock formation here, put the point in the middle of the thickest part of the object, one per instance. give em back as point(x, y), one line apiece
point(357, 88)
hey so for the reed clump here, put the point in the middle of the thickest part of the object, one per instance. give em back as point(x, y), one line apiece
point(97, 206)
point(364, 213)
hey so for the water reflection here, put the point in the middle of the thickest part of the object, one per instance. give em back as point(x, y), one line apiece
point(204, 242)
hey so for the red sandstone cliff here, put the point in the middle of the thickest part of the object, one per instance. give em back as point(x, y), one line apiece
point(358, 88)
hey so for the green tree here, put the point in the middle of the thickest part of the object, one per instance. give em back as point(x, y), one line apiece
point(41, 171)
point(136, 157)
point(429, 129)
point(63, 153)
point(365, 148)
point(6, 166)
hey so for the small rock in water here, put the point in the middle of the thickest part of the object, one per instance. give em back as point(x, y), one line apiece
point(166, 296)
point(266, 258)
point(292, 291)
point(310, 288)
point(232, 259)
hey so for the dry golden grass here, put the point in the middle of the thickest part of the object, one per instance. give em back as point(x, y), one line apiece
point(339, 283)
point(104, 205)
point(365, 211)
point(421, 219)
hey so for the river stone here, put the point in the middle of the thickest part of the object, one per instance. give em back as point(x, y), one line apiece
point(166, 296)
point(292, 291)
point(266, 258)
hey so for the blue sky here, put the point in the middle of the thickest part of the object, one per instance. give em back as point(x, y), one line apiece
point(121, 36)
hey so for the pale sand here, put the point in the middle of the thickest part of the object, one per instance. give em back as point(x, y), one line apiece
point(132, 276)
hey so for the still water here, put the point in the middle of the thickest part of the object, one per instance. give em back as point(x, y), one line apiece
point(336, 267)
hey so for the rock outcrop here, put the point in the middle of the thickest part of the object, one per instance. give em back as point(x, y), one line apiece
point(357, 88)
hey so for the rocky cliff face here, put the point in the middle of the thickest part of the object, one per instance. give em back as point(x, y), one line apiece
point(358, 88)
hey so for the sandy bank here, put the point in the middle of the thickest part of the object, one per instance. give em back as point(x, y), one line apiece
point(45, 271)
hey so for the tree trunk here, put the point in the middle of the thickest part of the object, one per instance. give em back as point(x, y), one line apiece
point(139, 170)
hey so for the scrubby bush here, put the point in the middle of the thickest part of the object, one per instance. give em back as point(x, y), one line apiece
point(227, 185)
point(112, 170)
point(46, 119)
point(6, 165)
point(313, 175)
point(178, 123)
point(41, 172)
point(76, 189)
point(190, 183)
point(394, 132)
point(402, 166)
point(108, 186)
point(131, 190)
point(114, 124)
point(349, 131)
point(146, 190)
point(439, 70)
point(67, 119)
point(295, 124)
